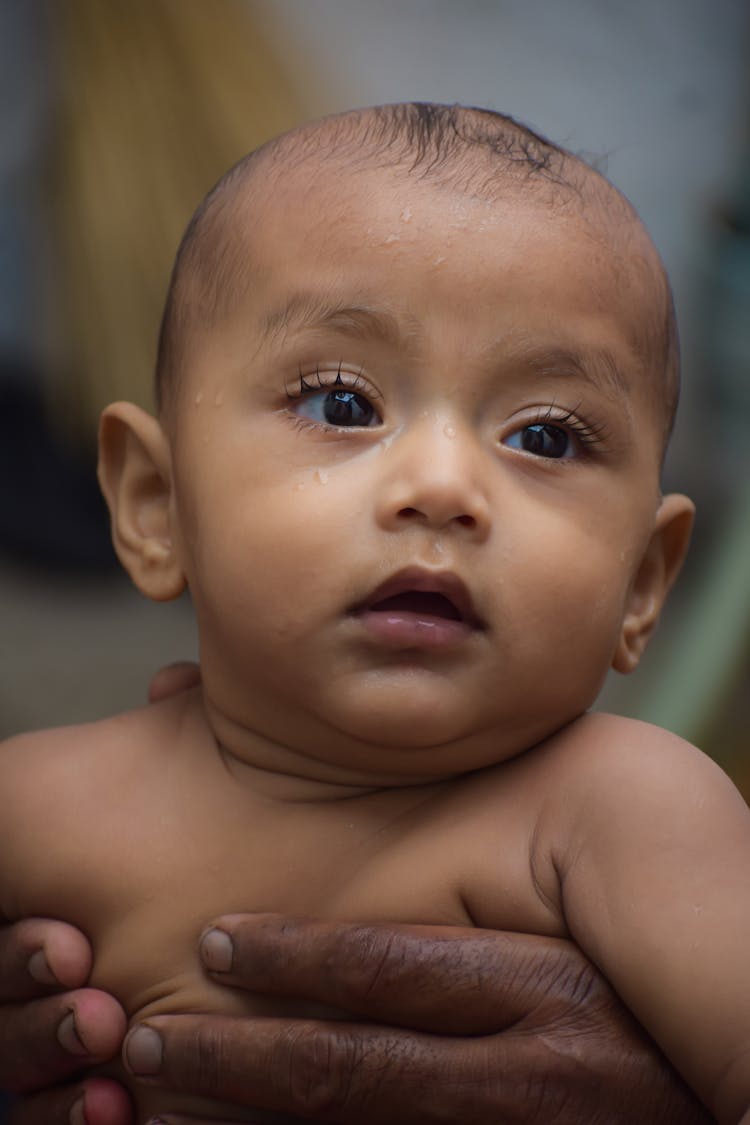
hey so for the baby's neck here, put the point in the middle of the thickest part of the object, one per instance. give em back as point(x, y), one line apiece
point(279, 772)
point(291, 788)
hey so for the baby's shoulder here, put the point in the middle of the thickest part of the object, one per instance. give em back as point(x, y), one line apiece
point(602, 769)
point(69, 798)
point(606, 749)
point(25, 750)
point(614, 779)
point(40, 769)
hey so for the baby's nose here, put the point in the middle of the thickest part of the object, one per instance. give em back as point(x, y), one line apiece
point(435, 478)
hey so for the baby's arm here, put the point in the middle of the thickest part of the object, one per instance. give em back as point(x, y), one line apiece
point(652, 848)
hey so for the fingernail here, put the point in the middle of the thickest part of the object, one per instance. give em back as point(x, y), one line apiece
point(77, 1114)
point(39, 968)
point(144, 1051)
point(217, 951)
point(68, 1037)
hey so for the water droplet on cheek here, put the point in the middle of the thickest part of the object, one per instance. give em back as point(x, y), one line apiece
point(449, 431)
point(199, 398)
point(321, 476)
point(300, 486)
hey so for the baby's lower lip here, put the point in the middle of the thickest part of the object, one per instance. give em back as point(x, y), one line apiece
point(405, 628)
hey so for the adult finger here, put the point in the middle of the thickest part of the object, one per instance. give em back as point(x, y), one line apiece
point(358, 1074)
point(47, 1040)
point(39, 955)
point(178, 1119)
point(438, 979)
point(172, 679)
point(98, 1101)
point(337, 1071)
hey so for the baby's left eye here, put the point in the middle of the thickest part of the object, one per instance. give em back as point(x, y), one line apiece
point(337, 407)
point(543, 439)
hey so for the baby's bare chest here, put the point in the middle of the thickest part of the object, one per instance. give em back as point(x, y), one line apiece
point(146, 872)
point(144, 879)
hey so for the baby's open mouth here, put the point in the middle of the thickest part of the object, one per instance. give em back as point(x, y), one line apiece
point(419, 608)
point(423, 603)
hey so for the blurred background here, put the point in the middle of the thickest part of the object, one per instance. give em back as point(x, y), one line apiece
point(116, 116)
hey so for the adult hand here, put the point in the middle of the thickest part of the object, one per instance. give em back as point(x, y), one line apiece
point(49, 1033)
point(468, 1025)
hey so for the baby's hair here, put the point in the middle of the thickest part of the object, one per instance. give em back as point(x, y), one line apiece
point(472, 150)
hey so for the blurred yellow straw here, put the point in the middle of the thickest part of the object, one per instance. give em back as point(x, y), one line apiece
point(158, 99)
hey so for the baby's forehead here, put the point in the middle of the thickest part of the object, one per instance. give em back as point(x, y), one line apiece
point(322, 197)
point(321, 173)
point(327, 186)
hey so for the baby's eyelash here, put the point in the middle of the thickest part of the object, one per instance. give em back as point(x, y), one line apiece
point(587, 433)
point(315, 381)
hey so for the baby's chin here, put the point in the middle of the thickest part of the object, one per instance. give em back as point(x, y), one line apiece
point(423, 749)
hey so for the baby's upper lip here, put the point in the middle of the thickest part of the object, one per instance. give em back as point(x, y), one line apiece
point(424, 581)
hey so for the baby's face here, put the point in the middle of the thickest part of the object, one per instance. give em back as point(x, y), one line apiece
point(415, 472)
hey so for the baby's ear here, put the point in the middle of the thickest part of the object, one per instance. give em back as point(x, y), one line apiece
point(660, 565)
point(136, 479)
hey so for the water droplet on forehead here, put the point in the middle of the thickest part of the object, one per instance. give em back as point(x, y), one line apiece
point(199, 398)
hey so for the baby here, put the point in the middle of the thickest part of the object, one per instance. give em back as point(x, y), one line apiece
point(417, 372)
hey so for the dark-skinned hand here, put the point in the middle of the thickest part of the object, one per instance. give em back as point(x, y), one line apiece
point(448, 1025)
point(51, 1028)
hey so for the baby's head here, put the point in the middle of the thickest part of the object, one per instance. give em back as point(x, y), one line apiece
point(417, 372)
point(459, 152)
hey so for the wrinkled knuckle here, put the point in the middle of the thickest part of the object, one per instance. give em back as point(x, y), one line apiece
point(551, 1097)
point(366, 965)
point(207, 1060)
point(576, 988)
point(323, 1062)
point(556, 1083)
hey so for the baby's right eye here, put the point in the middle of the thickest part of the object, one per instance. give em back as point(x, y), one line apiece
point(543, 440)
point(337, 406)
point(341, 399)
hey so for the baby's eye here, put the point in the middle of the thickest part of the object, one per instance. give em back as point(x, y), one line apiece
point(337, 406)
point(543, 440)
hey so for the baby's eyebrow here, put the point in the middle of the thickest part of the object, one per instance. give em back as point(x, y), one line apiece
point(311, 310)
point(356, 316)
point(598, 367)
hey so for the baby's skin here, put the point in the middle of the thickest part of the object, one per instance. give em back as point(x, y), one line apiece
point(143, 829)
point(407, 459)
